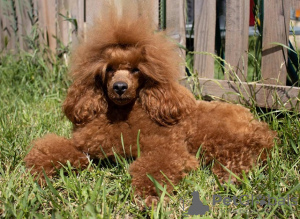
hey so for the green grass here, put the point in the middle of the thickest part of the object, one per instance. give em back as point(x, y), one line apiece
point(31, 93)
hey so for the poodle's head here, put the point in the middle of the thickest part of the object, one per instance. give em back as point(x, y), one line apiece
point(120, 76)
point(122, 60)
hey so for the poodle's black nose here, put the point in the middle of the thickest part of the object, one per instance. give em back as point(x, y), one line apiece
point(120, 87)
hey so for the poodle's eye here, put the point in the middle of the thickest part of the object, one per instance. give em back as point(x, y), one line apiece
point(109, 69)
point(135, 70)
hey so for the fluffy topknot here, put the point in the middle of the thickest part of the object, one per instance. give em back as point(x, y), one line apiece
point(128, 23)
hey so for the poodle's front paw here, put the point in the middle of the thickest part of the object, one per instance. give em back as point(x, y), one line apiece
point(39, 163)
point(151, 200)
point(49, 153)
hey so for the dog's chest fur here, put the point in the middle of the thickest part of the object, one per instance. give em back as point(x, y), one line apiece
point(108, 131)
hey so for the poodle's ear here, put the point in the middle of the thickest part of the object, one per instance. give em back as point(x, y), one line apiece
point(84, 102)
point(166, 103)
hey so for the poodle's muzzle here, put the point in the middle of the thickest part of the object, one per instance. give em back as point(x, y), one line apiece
point(122, 86)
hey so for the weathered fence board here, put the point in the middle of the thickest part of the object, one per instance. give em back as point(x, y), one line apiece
point(26, 18)
point(63, 26)
point(77, 13)
point(155, 6)
point(236, 39)
point(21, 31)
point(204, 37)
point(295, 4)
point(6, 31)
point(262, 95)
point(47, 22)
point(275, 30)
point(1, 28)
point(175, 26)
point(9, 24)
point(91, 8)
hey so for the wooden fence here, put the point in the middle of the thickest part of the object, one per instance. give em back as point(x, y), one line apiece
point(17, 19)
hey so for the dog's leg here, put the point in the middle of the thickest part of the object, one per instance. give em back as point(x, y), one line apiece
point(50, 152)
point(166, 165)
point(230, 135)
point(242, 153)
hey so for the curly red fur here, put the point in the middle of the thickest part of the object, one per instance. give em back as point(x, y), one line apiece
point(125, 79)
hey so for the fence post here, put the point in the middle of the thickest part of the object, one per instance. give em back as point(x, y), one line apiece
point(236, 38)
point(155, 6)
point(47, 22)
point(9, 24)
point(1, 28)
point(295, 4)
point(24, 11)
point(275, 30)
point(204, 37)
point(64, 27)
point(175, 22)
point(77, 13)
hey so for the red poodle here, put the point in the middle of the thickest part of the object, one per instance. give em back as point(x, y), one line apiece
point(125, 80)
